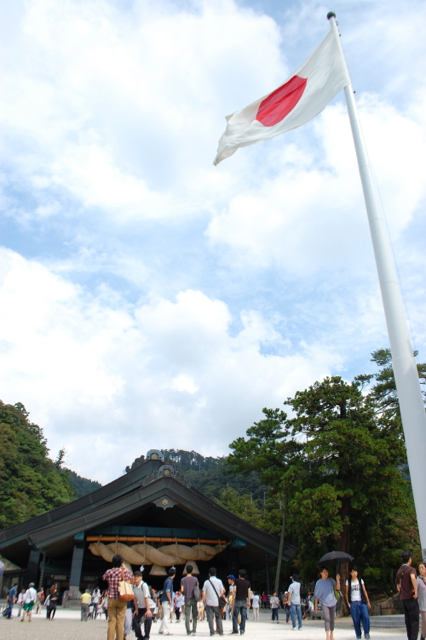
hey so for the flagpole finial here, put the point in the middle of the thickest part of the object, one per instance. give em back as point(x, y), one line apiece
point(330, 15)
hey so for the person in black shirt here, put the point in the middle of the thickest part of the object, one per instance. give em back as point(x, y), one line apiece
point(188, 586)
point(406, 583)
point(242, 602)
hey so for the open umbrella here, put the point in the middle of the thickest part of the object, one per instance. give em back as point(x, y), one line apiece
point(336, 557)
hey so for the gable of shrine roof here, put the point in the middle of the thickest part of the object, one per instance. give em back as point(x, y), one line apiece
point(150, 483)
point(109, 492)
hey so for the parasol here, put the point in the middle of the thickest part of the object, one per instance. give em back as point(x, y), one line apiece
point(336, 557)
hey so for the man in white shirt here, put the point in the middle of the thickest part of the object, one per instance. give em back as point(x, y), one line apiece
point(141, 591)
point(30, 599)
point(213, 590)
point(294, 601)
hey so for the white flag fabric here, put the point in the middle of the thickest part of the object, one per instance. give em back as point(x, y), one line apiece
point(294, 103)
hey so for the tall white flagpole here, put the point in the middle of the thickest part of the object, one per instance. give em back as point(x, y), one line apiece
point(404, 366)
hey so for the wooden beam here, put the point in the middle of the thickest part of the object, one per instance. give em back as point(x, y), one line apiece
point(150, 539)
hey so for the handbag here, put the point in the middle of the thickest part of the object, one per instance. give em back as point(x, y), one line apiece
point(197, 593)
point(337, 594)
point(221, 599)
point(125, 590)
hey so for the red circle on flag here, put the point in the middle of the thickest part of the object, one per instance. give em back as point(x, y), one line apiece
point(278, 104)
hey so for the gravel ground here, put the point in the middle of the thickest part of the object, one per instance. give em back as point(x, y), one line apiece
point(67, 626)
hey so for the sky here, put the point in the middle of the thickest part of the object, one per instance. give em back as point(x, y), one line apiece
point(151, 300)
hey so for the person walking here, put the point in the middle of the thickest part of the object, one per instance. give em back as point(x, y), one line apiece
point(309, 604)
point(153, 604)
point(85, 602)
point(143, 612)
point(167, 602)
point(294, 601)
point(96, 596)
point(231, 595)
point(406, 583)
point(286, 607)
point(274, 601)
point(255, 605)
point(242, 602)
point(40, 599)
point(421, 591)
point(358, 603)
point(51, 602)
point(188, 586)
point(105, 603)
point(178, 604)
point(30, 599)
point(213, 590)
point(128, 618)
point(324, 593)
point(11, 599)
point(66, 597)
point(201, 608)
point(20, 601)
point(116, 607)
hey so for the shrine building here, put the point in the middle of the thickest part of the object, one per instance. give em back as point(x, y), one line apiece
point(152, 517)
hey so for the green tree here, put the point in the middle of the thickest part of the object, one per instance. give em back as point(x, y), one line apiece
point(81, 486)
point(60, 459)
point(337, 462)
point(30, 482)
point(242, 505)
point(269, 451)
point(349, 480)
point(383, 391)
point(212, 475)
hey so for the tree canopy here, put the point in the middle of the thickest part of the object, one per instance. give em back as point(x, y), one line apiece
point(30, 482)
point(337, 463)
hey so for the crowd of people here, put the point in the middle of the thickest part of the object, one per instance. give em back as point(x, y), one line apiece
point(29, 600)
point(142, 605)
point(217, 602)
point(93, 603)
point(138, 608)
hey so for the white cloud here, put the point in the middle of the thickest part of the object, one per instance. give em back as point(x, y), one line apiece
point(117, 380)
point(183, 382)
point(159, 297)
point(123, 111)
point(311, 215)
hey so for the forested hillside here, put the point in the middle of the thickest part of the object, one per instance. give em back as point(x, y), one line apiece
point(212, 475)
point(30, 482)
point(81, 486)
point(244, 495)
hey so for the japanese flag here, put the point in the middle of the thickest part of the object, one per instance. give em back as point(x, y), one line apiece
point(297, 101)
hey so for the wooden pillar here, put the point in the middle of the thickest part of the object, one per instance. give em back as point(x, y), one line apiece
point(77, 566)
point(267, 575)
point(31, 574)
point(233, 561)
point(42, 565)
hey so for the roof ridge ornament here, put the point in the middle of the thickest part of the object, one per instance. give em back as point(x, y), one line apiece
point(165, 471)
point(153, 454)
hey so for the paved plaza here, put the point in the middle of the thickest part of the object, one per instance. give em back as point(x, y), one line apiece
point(67, 626)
